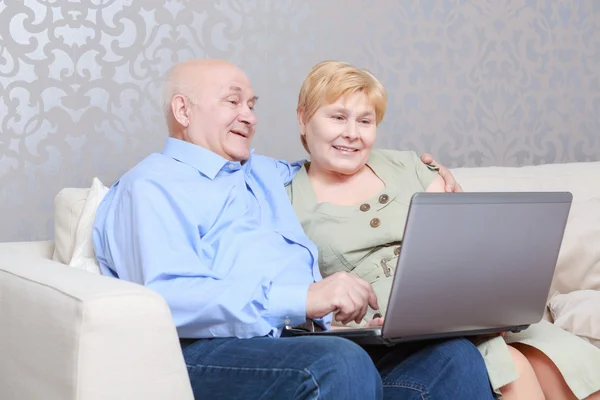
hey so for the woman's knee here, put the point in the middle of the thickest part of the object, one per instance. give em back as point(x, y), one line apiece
point(522, 364)
point(526, 385)
point(547, 373)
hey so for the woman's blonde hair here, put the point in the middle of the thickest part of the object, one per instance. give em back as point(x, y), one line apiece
point(329, 80)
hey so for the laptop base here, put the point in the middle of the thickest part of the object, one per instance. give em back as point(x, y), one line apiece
point(373, 336)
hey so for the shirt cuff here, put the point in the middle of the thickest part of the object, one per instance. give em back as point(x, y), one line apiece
point(325, 322)
point(288, 302)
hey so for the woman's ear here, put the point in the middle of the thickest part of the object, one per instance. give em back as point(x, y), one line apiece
point(302, 129)
point(301, 123)
point(302, 126)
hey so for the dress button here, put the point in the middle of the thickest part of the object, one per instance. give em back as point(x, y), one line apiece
point(375, 222)
point(365, 207)
point(384, 198)
point(397, 250)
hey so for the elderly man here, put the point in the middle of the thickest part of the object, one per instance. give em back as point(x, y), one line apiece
point(208, 225)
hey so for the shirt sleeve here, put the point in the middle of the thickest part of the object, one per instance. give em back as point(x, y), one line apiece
point(160, 248)
point(425, 172)
point(287, 170)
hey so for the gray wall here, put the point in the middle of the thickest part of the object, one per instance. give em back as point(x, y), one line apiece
point(473, 82)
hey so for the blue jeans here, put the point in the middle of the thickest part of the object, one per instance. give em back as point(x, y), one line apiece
point(334, 368)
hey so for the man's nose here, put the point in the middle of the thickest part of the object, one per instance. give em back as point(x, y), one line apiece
point(248, 117)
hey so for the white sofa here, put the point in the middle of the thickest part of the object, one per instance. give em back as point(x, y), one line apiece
point(68, 333)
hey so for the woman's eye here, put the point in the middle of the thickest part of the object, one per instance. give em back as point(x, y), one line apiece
point(338, 117)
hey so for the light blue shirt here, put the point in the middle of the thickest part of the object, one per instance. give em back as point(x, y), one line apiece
point(218, 240)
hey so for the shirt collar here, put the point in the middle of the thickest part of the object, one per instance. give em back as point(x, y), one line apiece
point(205, 161)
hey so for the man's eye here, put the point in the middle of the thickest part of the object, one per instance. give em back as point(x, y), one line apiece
point(366, 121)
point(338, 117)
point(234, 102)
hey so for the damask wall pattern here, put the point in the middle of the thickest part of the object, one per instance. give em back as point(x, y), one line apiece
point(476, 83)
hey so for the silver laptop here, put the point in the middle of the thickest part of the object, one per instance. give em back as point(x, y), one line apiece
point(470, 264)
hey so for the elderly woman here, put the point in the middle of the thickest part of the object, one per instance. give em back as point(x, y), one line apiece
point(351, 201)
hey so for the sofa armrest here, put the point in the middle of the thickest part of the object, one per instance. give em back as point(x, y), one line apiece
point(69, 334)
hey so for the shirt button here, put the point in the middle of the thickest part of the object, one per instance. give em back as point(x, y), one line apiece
point(375, 222)
point(231, 166)
point(397, 250)
point(384, 198)
point(365, 207)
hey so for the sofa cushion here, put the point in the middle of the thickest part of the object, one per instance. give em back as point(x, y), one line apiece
point(75, 210)
point(579, 313)
point(578, 264)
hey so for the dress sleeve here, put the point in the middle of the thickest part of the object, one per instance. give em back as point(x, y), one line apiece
point(410, 161)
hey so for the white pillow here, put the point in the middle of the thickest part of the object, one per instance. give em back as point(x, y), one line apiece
point(579, 313)
point(74, 219)
point(578, 266)
point(68, 205)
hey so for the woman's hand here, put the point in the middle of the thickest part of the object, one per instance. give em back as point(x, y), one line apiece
point(338, 327)
point(376, 322)
point(491, 335)
point(372, 323)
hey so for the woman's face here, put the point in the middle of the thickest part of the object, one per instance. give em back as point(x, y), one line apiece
point(340, 135)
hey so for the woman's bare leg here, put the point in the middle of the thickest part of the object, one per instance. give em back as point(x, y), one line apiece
point(551, 380)
point(527, 386)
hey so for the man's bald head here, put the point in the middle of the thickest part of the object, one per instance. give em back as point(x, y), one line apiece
point(187, 79)
point(210, 103)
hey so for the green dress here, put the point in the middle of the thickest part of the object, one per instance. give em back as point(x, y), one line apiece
point(364, 240)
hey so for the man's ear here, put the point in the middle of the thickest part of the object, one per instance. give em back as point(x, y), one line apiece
point(179, 108)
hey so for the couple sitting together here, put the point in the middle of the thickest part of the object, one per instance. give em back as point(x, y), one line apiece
point(240, 245)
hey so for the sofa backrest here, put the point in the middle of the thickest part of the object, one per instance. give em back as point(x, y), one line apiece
point(579, 260)
point(582, 179)
point(578, 264)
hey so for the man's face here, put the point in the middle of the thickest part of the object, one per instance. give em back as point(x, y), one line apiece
point(221, 116)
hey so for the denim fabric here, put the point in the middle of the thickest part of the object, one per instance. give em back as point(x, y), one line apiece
point(334, 368)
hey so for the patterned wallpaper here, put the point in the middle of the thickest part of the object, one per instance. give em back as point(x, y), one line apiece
point(481, 82)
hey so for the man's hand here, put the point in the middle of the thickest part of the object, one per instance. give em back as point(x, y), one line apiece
point(347, 295)
point(450, 182)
